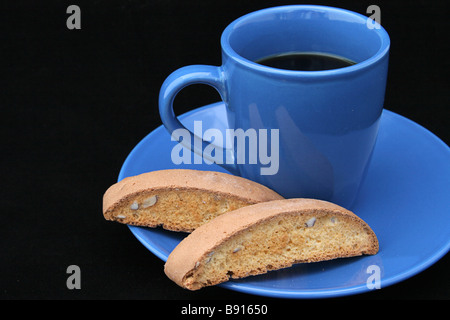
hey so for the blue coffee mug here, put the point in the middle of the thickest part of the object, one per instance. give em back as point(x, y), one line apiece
point(306, 134)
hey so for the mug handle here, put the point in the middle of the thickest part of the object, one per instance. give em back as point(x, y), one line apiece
point(175, 82)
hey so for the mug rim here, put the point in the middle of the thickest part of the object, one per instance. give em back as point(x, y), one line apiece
point(231, 53)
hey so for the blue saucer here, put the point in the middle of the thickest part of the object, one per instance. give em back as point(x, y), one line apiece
point(405, 199)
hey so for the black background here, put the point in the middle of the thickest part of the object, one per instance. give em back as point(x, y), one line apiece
point(75, 102)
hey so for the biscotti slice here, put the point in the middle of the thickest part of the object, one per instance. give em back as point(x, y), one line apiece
point(267, 236)
point(180, 199)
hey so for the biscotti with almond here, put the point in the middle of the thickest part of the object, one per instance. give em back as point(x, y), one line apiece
point(267, 236)
point(180, 199)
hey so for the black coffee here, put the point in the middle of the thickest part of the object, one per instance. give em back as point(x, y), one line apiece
point(305, 61)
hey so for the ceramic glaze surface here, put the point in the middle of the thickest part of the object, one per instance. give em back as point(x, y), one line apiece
point(404, 199)
point(327, 120)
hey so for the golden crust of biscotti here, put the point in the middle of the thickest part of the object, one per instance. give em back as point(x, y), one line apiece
point(180, 199)
point(226, 237)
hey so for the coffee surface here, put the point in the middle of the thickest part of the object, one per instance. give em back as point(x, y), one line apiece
point(306, 61)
